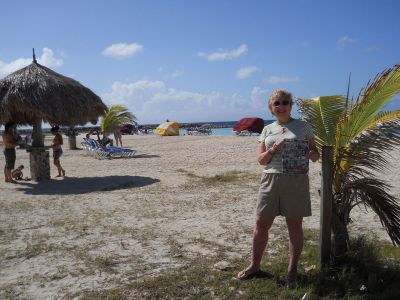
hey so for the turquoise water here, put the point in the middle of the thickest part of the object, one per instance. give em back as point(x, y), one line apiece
point(222, 131)
point(215, 131)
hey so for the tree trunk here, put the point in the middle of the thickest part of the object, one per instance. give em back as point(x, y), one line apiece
point(340, 243)
point(39, 156)
point(39, 164)
point(37, 137)
point(72, 142)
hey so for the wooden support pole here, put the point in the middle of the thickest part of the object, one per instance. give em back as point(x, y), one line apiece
point(37, 136)
point(39, 155)
point(326, 205)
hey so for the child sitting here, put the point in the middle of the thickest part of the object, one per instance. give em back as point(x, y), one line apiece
point(17, 173)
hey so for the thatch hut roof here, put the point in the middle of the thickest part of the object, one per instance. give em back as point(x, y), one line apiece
point(38, 93)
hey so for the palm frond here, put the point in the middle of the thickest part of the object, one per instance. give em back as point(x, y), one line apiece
point(371, 192)
point(385, 116)
point(323, 114)
point(116, 116)
point(370, 101)
point(370, 148)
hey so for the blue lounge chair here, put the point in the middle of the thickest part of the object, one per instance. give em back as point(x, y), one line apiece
point(99, 151)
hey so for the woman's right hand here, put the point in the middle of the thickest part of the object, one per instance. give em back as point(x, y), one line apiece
point(277, 146)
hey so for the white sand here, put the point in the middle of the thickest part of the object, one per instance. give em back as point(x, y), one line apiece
point(113, 221)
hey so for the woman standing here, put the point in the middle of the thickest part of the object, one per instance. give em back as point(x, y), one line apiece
point(118, 136)
point(57, 150)
point(281, 193)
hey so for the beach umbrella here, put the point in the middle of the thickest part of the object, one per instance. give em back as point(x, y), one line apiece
point(252, 125)
point(167, 128)
point(36, 94)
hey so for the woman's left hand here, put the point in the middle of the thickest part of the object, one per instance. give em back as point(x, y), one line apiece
point(313, 155)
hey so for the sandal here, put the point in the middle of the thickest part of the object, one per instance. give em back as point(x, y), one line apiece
point(246, 275)
point(288, 282)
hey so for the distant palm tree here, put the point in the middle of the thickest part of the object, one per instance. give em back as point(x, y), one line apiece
point(362, 136)
point(116, 115)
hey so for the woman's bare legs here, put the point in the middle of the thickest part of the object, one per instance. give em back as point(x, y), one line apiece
point(61, 171)
point(260, 240)
point(295, 228)
point(8, 176)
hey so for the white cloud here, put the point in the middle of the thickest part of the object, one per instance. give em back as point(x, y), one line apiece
point(46, 59)
point(225, 55)
point(246, 72)
point(280, 79)
point(344, 41)
point(154, 102)
point(122, 50)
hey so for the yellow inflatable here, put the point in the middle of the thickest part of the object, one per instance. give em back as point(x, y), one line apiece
point(167, 128)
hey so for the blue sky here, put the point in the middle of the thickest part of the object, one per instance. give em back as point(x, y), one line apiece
point(209, 60)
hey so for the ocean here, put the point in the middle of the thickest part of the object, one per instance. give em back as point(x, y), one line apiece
point(219, 128)
point(215, 131)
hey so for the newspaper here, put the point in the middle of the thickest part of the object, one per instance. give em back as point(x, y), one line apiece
point(294, 157)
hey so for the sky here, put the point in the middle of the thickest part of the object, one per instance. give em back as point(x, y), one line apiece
point(206, 60)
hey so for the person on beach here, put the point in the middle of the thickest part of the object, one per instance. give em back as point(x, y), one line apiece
point(281, 193)
point(17, 173)
point(57, 150)
point(106, 139)
point(10, 142)
point(118, 136)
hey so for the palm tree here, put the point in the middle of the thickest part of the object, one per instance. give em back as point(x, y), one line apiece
point(362, 136)
point(116, 115)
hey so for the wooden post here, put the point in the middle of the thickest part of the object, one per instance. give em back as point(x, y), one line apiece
point(72, 142)
point(37, 137)
point(39, 155)
point(326, 205)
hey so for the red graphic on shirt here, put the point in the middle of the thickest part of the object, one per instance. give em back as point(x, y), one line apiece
point(284, 130)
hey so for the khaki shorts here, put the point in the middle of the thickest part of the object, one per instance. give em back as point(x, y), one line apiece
point(285, 195)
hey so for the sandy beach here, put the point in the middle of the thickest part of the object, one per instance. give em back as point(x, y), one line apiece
point(120, 220)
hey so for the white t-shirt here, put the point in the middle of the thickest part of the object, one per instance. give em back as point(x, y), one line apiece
point(294, 129)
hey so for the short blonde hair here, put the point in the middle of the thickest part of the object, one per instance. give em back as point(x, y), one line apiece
point(279, 94)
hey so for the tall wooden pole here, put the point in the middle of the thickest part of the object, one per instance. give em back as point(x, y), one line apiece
point(39, 156)
point(326, 205)
point(37, 137)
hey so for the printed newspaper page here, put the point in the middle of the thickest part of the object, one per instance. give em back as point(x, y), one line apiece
point(294, 156)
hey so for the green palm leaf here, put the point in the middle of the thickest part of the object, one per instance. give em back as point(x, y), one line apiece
point(371, 192)
point(370, 148)
point(368, 104)
point(116, 116)
point(385, 116)
point(323, 113)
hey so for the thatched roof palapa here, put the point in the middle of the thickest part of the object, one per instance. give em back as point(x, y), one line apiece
point(37, 93)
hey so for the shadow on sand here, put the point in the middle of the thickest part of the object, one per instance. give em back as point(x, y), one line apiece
point(83, 185)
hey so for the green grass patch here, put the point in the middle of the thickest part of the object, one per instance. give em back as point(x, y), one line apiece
point(370, 270)
point(366, 273)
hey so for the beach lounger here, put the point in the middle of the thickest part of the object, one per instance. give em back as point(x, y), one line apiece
point(99, 151)
point(245, 133)
point(198, 131)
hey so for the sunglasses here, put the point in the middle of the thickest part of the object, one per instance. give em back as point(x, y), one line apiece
point(283, 103)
